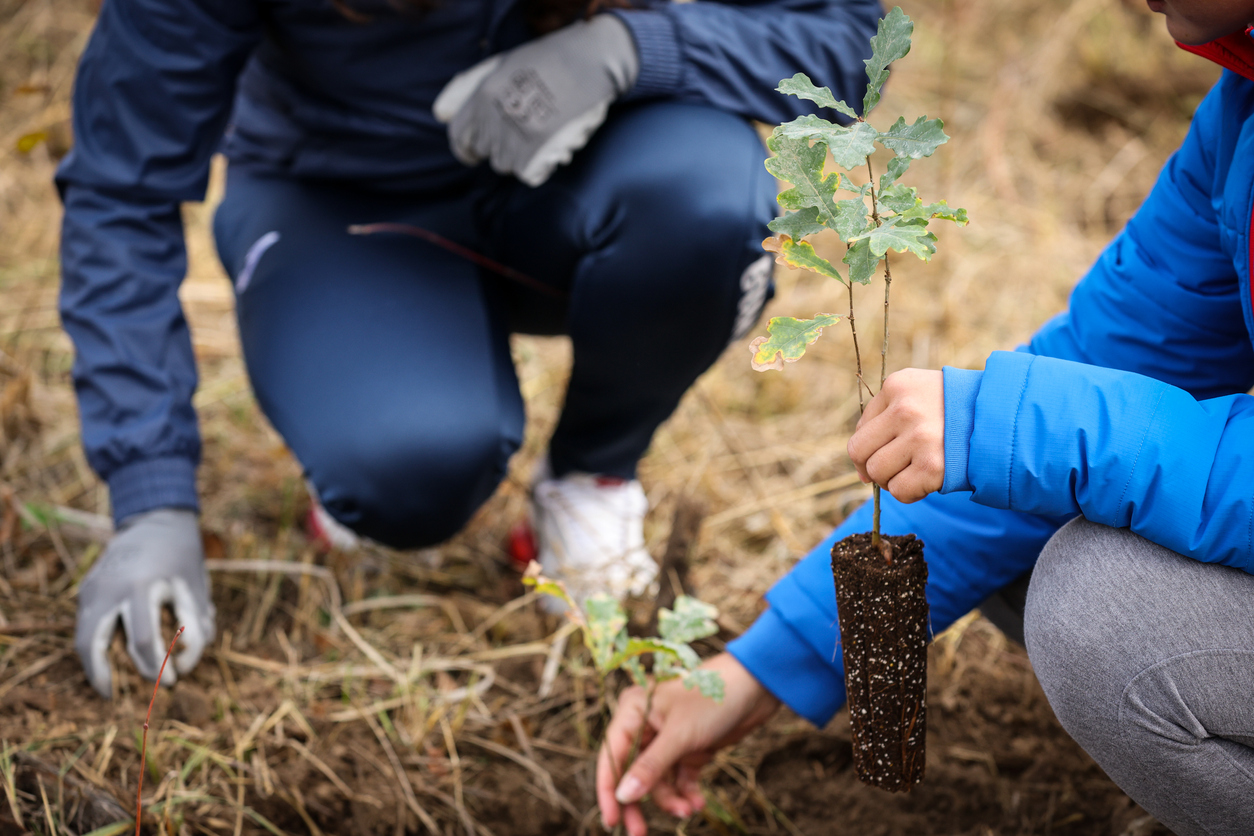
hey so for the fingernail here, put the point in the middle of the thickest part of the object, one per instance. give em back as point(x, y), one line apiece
point(630, 790)
point(680, 810)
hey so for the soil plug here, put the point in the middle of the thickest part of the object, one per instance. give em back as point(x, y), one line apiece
point(883, 637)
point(880, 581)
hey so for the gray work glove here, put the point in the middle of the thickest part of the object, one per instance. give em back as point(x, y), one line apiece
point(155, 558)
point(530, 109)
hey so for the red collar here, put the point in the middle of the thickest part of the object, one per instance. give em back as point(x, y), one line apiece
point(1233, 52)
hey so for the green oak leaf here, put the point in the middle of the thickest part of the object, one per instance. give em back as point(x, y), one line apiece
point(848, 145)
point(800, 254)
point(801, 164)
point(708, 682)
point(688, 621)
point(900, 235)
point(891, 41)
point(896, 167)
point(862, 262)
point(941, 210)
point(898, 198)
point(850, 218)
point(799, 224)
point(847, 185)
point(801, 87)
point(606, 622)
point(788, 340)
point(914, 141)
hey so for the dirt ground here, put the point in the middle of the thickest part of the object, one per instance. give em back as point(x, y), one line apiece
point(385, 692)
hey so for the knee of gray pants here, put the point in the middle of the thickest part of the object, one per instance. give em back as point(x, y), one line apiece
point(1147, 658)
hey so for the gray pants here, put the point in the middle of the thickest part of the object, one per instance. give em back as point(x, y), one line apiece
point(1147, 658)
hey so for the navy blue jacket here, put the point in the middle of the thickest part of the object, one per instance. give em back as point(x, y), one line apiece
point(1129, 408)
point(298, 90)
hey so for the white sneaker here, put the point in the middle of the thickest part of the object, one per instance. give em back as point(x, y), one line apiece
point(590, 533)
point(325, 530)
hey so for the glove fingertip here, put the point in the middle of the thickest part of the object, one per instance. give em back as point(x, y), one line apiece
point(92, 644)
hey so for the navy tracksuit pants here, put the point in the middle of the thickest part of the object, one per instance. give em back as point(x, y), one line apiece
point(383, 360)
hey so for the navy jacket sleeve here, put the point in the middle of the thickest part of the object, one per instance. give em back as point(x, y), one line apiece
point(733, 55)
point(152, 96)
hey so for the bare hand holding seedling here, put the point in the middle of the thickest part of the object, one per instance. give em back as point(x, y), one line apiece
point(900, 440)
point(682, 732)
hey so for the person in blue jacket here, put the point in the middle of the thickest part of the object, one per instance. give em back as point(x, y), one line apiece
point(409, 182)
point(1110, 460)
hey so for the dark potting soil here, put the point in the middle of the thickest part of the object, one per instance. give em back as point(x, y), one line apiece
point(884, 632)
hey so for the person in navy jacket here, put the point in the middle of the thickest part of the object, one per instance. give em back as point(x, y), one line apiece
point(1093, 492)
point(409, 182)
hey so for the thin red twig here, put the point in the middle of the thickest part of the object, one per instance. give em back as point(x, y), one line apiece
point(143, 752)
point(457, 249)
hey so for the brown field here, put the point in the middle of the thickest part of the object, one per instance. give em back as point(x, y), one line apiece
point(1061, 113)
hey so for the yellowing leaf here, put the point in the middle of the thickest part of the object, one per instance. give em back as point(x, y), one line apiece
point(940, 209)
point(534, 577)
point(29, 142)
point(799, 254)
point(788, 340)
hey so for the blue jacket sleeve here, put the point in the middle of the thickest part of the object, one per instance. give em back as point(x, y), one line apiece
point(733, 55)
point(152, 95)
point(1056, 437)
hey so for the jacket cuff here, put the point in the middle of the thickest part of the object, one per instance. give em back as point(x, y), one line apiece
point(962, 386)
point(661, 58)
point(150, 484)
point(788, 666)
point(988, 466)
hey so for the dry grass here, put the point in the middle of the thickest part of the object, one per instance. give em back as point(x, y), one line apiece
point(388, 692)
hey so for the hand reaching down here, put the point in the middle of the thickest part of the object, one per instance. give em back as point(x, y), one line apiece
point(156, 558)
point(681, 735)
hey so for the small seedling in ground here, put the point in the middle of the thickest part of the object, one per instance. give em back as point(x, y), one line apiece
point(880, 580)
point(604, 627)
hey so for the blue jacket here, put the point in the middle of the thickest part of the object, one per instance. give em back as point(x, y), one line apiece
point(300, 91)
point(1129, 408)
